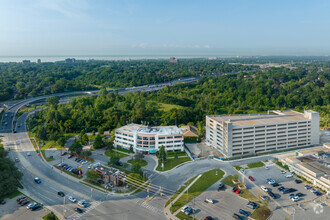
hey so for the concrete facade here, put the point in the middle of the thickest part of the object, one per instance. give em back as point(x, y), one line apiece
point(238, 135)
point(147, 139)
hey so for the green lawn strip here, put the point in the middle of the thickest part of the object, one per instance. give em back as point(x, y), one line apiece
point(204, 182)
point(67, 172)
point(166, 107)
point(110, 153)
point(180, 190)
point(48, 159)
point(281, 165)
point(261, 213)
point(249, 196)
point(123, 150)
point(179, 153)
point(141, 162)
point(256, 164)
point(171, 163)
point(93, 185)
point(183, 216)
point(228, 181)
point(238, 167)
point(50, 216)
point(32, 141)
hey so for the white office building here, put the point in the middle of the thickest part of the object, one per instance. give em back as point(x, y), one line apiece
point(238, 135)
point(148, 139)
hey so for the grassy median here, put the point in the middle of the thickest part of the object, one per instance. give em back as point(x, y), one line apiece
point(256, 165)
point(141, 162)
point(204, 182)
point(170, 163)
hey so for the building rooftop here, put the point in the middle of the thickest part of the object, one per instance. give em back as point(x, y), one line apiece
point(160, 130)
point(273, 117)
point(189, 131)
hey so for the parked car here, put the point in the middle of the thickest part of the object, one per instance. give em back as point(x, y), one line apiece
point(22, 200)
point(300, 194)
point(252, 205)
point(291, 196)
point(236, 216)
point(208, 200)
point(317, 193)
point(100, 181)
point(264, 198)
point(221, 186)
point(238, 191)
point(234, 189)
point(251, 178)
point(188, 210)
point(25, 202)
point(64, 153)
point(2, 202)
point(295, 199)
point(270, 181)
point(208, 218)
point(70, 156)
point(281, 188)
point(275, 184)
point(30, 206)
point(243, 171)
point(308, 187)
point(271, 194)
point(243, 212)
point(35, 207)
point(267, 168)
point(72, 199)
point(298, 181)
point(19, 198)
point(288, 175)
point(61, 194)
point(79, 210)
point(37, 180)
point(264, 188)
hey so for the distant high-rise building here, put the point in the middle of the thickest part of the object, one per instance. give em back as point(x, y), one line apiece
point(26, 61)
point(70, 60)
point(173, 60)
point(38, 61)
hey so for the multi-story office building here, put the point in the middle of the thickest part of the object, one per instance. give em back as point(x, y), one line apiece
point(238, 135)
point(147, 139)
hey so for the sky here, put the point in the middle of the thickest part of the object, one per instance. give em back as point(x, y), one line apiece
point(164, 27)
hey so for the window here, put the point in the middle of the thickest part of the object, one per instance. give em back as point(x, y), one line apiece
point(170, 137)
point(178, 137)
point(152, 138)
point(169, 142)
point(139, 137)
point(161, 138)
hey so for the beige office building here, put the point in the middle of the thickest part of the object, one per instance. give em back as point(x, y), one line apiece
point(148, 139)
point(238, 135)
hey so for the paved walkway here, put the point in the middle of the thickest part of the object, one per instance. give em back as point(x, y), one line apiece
point(167, 208)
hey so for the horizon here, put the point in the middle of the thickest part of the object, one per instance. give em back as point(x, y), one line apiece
point(147, 28)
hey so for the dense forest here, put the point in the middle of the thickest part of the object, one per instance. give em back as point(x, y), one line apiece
point(9, 175)
point(18, 80)
point(256, 91)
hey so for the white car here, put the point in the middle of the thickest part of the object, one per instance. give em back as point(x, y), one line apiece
point(84, 162)
point(264, 188)
point(288, 175)
point(72, 199)
point(295, 199)
point(31, 205)
point(184, 208)
point(28, 153)
point(208, 200)
point(282, 172)
point(267, 168)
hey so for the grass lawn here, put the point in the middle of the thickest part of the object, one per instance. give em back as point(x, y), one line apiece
point(171, 163)
point(142, 162)
point(167, 107)
point(283, 166)
point(123, 150)
point(110, 153)
point(204, 182)
point(238, 167)
point(228, 181)
point(180, 190)
point(256, 164)
point(261, 213)
point(179, 153)
point(50, 216)
point(183, 216)
point(247, 195)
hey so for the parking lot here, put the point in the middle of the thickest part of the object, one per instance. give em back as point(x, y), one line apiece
point(261, 174)
point(226, 204)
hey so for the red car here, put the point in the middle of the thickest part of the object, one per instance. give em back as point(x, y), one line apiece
point(238, 191)
point(251, 178)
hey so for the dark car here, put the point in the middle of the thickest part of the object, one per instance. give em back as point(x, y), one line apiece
point(298, 181)
point(35, 207)
point(208, 218)
point(79, 210)
point(18, 199)
point(281, 188)
point(243, 212)
point(2, 202)
point(252, 205)
point(70, 156)
point(25, 202)
point(221, 186)
point(61, 194)
point(64, 153)
point(317, 193)
point(22, 200)
point(275, 184)
point(234, 189)
point(300, 194)
point(100, 181)
point(271, 194)
point(119, 163)
point(236, 216)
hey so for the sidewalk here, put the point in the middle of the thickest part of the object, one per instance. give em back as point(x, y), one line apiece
point(167, 211)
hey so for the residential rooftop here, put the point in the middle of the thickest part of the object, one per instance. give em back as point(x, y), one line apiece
point(273, 117)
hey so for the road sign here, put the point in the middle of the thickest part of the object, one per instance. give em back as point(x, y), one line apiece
point(147, 190)
point(91, 189)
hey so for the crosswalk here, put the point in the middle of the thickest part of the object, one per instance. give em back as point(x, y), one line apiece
point(76, 215)
point(149, 206)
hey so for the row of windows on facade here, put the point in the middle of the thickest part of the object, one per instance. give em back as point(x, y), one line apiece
point(265, 126)
point(270, 143)
point(266, 136)
point(168, 146)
